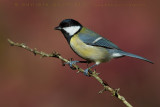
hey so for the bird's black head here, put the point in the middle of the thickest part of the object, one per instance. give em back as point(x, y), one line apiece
point(69, 27)
point(68, 23)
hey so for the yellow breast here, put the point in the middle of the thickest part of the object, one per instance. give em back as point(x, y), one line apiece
point(88, 52)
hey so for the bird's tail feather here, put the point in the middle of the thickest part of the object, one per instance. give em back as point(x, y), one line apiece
point(134, 56)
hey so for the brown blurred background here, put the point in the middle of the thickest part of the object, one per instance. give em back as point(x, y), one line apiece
point(29, 81)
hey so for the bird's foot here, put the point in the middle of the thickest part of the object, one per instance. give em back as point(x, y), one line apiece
point(71, 64)
point(87, 72)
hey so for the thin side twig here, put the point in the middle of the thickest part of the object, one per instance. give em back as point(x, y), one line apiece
point(106, 87)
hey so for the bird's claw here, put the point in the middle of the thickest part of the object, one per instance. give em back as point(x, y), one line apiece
point(70, 63)
point(87, 72)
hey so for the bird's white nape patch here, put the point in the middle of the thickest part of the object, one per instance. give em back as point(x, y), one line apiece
point(97, 39)
point(72, 29)
point(116, 54)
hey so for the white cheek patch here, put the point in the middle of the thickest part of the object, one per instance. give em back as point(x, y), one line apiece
point(72, 29)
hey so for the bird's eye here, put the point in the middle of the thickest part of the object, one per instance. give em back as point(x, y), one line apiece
point(64, 24)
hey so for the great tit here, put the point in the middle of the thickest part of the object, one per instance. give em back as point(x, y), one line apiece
point(89, 45)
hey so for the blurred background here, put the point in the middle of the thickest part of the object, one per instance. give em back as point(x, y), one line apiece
point(30, 81)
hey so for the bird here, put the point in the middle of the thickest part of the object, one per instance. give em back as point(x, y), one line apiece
point(90, 46)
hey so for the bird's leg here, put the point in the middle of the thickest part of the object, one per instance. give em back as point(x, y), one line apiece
point(74, 62)
point(87, 70)
point(71, 63)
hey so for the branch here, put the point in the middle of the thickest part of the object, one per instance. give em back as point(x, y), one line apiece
point(106, 87)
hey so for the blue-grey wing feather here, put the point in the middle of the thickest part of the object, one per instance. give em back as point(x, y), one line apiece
point(89, 37)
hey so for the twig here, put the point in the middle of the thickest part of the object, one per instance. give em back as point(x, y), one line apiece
point(106, 87)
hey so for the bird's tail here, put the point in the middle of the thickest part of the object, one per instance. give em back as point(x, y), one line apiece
point(134, 56)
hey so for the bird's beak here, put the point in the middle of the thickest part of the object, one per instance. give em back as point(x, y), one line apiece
point(58, 28)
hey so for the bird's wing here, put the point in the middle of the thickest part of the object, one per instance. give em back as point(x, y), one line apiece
point(91, 38)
